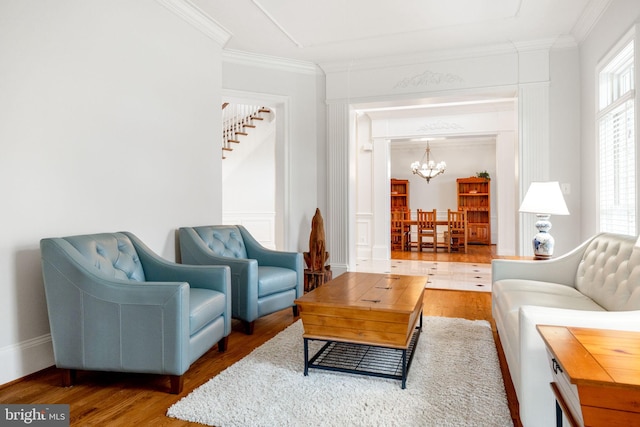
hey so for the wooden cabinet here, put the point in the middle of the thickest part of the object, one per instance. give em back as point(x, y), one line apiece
point(474, 196)
point(399, 203)
point(399, 195)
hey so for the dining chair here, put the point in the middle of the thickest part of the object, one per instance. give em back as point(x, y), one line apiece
point(457, 222)
point(427, 229)
point(408, 237)
point(398, 231)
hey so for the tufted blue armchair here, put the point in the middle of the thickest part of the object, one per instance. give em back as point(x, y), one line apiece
point(263, 281)
point(116, 306)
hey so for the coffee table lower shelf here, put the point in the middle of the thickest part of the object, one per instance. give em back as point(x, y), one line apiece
point(362, 359)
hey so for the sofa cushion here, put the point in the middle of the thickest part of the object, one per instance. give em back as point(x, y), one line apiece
point(204, 305)
point(511, 294)
point(112, 254)
point(223, 240)
point(272, 280)
point(609, 273)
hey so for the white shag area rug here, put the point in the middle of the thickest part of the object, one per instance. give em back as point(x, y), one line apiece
point(454, 380)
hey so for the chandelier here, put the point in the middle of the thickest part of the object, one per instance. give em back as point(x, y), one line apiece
point(428, 169)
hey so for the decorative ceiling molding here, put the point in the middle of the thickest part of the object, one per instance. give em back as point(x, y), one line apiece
point(439, 125)
point(276, 23)
point(565, 42)
point(589, 18)
point(531, 45)
point(271, 62)
point(456, 142)
point(428, 78)
point(198, 19)
point(425, 57)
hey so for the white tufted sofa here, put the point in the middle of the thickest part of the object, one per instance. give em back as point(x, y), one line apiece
point(597, 285)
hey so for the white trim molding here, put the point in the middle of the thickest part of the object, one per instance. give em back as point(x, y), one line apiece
point(198, 19)
point(590, 16)
point(261, 225)
point(24, 358)
point(270, 62)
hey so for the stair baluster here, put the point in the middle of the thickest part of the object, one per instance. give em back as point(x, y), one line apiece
point(237, 119)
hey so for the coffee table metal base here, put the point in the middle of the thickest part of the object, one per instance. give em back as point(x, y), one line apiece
point(362, 359)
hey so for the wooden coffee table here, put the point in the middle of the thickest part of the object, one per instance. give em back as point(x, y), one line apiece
point(370, 323)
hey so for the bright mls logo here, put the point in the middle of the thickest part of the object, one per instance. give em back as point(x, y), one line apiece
point(37, 415)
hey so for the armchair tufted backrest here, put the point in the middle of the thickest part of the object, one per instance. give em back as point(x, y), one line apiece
point(609, 272)
point(111, 253)
point(223, 240)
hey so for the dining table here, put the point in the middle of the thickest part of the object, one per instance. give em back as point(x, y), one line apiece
point(441, 224)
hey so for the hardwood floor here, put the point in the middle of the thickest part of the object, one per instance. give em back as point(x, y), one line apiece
point(115, 399)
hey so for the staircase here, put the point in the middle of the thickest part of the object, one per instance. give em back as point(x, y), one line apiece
point(237, 121)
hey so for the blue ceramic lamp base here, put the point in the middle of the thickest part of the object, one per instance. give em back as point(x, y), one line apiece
point(543, 242)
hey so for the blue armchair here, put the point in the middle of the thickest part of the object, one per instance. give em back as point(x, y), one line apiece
point(263, 281)
point(116, 306)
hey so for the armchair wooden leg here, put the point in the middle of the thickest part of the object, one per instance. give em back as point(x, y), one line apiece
point(248, 327)
point(222, 344)
point(177, 382)
point(296, 312)
point(68, 377)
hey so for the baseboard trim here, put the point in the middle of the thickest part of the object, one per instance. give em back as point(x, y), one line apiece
point(24, 358)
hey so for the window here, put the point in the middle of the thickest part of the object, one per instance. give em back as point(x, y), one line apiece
point(616, 141)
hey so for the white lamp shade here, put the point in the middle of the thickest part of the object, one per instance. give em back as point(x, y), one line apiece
point(544, 198)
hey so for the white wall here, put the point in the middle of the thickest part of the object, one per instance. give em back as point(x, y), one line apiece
point(109, 120)
point(616, 21)
point(565, 144)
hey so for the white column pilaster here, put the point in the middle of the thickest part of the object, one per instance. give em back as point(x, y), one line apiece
point(381, 200)
point(533, 101)
point(339, 207)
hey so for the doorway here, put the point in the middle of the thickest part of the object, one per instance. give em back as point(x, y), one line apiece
point(490, 122)
point(254, 175)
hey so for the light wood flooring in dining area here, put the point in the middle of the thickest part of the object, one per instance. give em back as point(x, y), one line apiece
point(117, 399)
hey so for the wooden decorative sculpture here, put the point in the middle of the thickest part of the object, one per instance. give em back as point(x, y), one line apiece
point(316, 272)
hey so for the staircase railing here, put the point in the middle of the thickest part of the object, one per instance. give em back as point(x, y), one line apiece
point(236, 120)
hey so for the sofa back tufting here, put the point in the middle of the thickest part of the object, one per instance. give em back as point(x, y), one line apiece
point(609, 272)
point(111, 253)
point(224, 241)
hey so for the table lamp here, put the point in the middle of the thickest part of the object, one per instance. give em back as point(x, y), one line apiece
point(544, 199)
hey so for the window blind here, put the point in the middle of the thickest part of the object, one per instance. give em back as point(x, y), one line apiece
point(617, 170)
point(616, 144)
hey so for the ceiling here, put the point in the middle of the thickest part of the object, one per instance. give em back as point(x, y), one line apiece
point(335, 33)
point(342, 31)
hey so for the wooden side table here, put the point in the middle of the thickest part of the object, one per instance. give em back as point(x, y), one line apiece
point(596, 375)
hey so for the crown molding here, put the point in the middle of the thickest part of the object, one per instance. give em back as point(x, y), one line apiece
point(198, 19)
point(589, 18)
point(472, 140)
point(565, 42)
point(449, 55)
point(271, 62)
point(533, 45)
point(412, 59)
